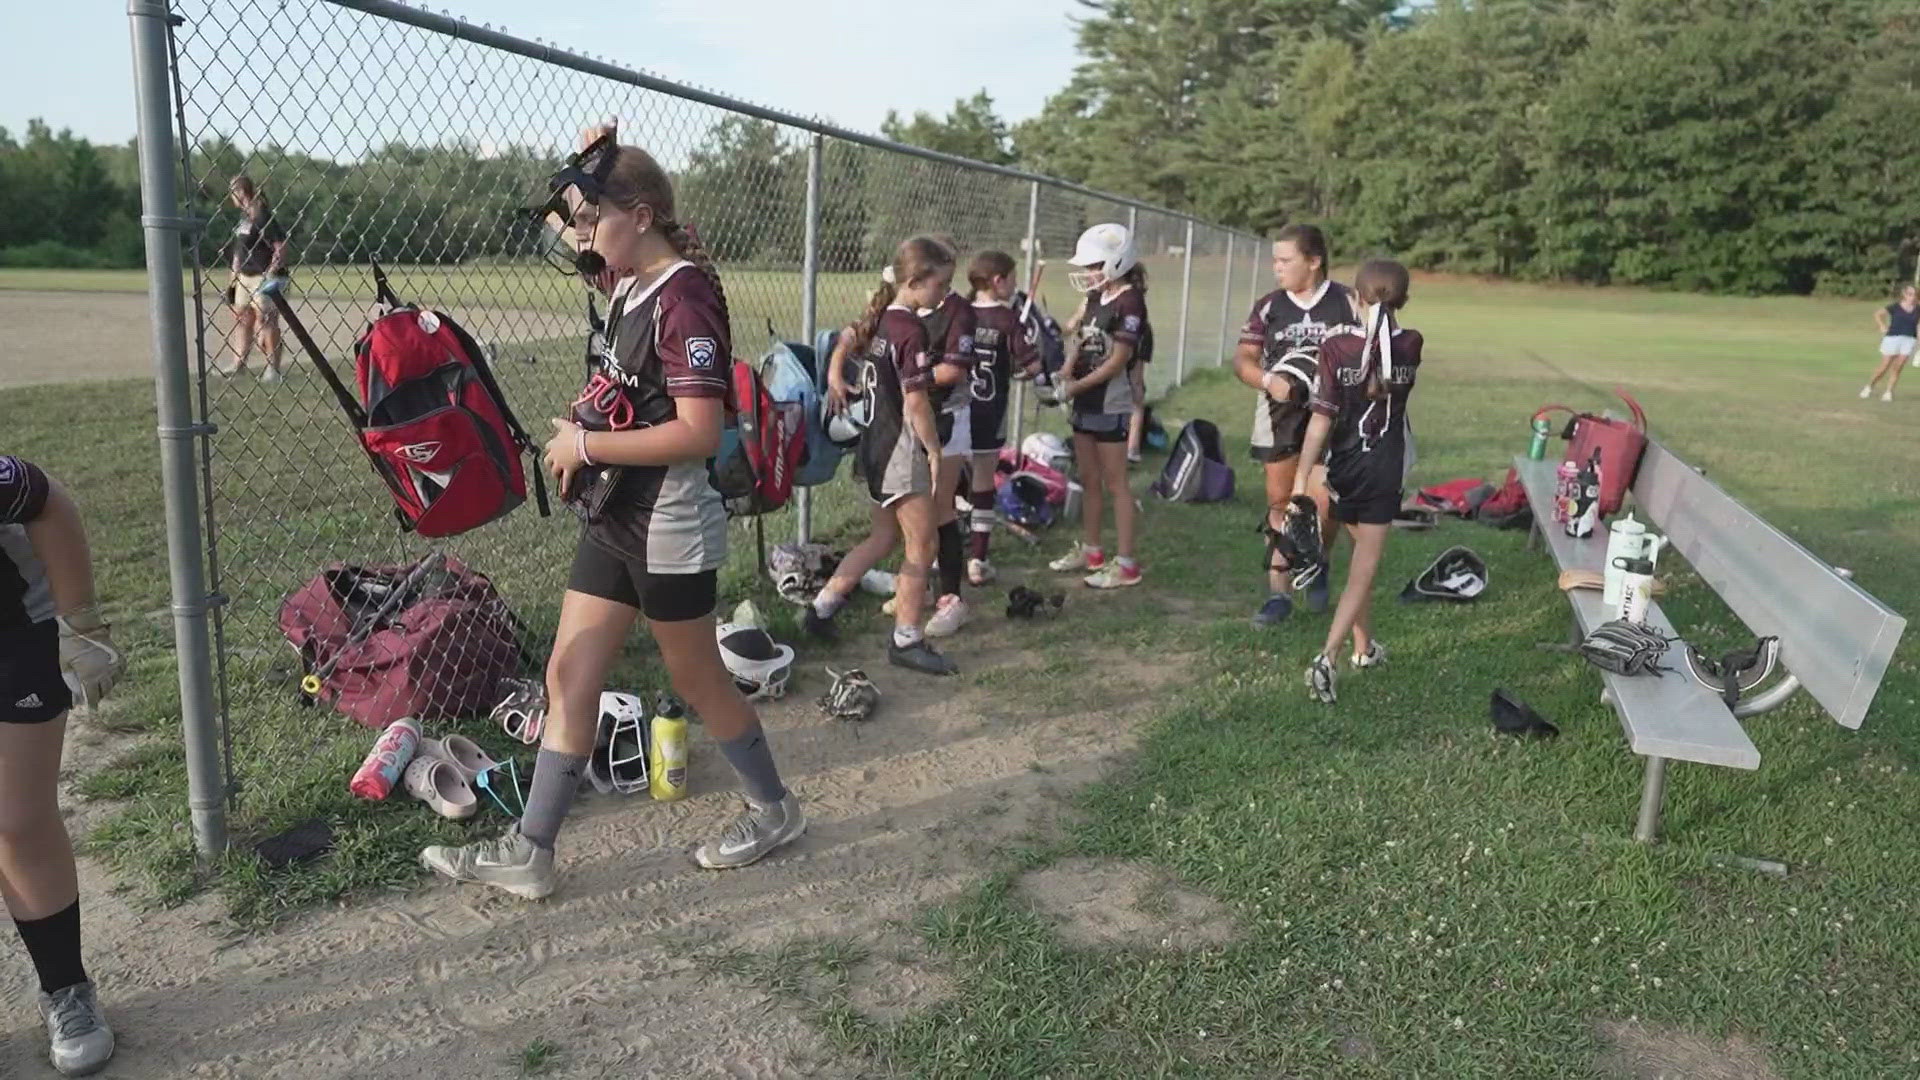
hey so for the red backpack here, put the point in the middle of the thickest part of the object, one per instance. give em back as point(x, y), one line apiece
point(762, 448)
point(431, 418)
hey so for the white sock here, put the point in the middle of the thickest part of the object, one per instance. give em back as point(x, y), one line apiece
point(904, 636)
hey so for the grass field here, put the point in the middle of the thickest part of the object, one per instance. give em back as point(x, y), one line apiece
point(1412, 896)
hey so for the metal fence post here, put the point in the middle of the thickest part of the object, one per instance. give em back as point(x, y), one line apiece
point(809, 309)
point(1226, 302)
point(1253, 273)
point(1186, 303)
point(161, 223)
point(1018, 406)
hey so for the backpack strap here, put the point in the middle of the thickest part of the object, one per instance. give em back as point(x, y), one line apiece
point(348, 403)
point(382, 291)
point(519, 433)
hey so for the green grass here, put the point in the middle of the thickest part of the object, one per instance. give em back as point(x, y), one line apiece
point(538, 1058)
point(1340, 836)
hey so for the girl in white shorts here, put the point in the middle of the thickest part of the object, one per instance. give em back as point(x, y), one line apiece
point(1899, 328)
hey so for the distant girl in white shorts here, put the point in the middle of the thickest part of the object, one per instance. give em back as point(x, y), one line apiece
point(1899, 327)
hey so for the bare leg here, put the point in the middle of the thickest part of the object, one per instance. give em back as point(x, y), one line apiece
point(915, 516)
point(1113, 470)
point(700, 678)
point(591, 634)
point(1279, 475)
point(1369, 541)
point(270, 339)
point(882, 533)
point(240, 339)
point(1887, 364)
point(1899, 365)
point(1093, 484)
point(36, 858)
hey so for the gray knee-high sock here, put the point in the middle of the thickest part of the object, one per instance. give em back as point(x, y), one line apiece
point(752, 758)
point(556, 779)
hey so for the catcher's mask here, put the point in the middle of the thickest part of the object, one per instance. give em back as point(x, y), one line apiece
point(1737, 672)
point(586, 173)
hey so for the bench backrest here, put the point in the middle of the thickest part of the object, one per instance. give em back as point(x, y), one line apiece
point(1834, 636)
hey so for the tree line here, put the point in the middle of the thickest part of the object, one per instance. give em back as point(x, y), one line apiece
point(1748, 146)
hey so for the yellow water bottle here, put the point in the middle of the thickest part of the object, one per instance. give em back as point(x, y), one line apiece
point(667, 754)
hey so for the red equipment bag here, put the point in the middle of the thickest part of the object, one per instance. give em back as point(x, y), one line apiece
point(761, 449)
point(431, 418)
point(1619, 442)
point(431, 641)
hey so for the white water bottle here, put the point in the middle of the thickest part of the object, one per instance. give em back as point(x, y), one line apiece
point(1636, 589)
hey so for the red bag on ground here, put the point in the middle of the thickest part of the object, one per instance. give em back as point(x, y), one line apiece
point(431, 641)
point(1620, 443)
point(1461, 497)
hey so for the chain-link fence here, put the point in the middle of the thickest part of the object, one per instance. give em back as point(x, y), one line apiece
point(382, 133)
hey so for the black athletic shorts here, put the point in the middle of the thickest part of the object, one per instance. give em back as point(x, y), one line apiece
point(989, 423)
point(660, 597)
point(1103, 427)
point(1366, 509)
point(31, 689)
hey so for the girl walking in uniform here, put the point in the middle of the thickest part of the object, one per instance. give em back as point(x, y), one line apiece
point(632, 461)
point(1278, 356)
point(1110, 325)
point(1003, 342)
point(1360, 421)
point(55, 652)
point(1899, 328)
point(898, 447)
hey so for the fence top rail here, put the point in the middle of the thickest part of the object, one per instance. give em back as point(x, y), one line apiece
point(497, 39)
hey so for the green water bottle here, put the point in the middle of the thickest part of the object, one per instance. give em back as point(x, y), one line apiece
point(1537, 449)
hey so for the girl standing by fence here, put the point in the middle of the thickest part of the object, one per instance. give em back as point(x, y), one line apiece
point(632, 459)
point(1098, 384)
point(897, 449)
point(1003, 342)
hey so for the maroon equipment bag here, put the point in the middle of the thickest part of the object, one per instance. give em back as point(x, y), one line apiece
point(431, 641)
point(1619, 442)
point(431, 418)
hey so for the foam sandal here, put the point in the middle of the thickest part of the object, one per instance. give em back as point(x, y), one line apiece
point(440, 785)
point(462, 753)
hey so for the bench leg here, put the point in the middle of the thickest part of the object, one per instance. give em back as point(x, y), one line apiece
point(1647, 829)
point(1533, 535)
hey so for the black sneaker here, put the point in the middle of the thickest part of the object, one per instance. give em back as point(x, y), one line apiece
point(822, 627)
point(920, 657)
point(1274, 611)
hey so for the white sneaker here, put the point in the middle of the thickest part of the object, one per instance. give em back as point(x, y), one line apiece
point(1888, 396)
point(80, 1042)
point(1866, 392)
point(1080, 558)
point(980, 572)
point(270, 375)
point(1114, 576)
point(441, 787)
point(1375, 656)
point(950, 614)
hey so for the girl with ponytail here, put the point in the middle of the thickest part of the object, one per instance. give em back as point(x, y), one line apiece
point(631, 459)
point(895, 359)
point(1359, 404)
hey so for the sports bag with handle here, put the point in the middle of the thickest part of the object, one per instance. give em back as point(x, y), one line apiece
point(1620, 443)
point(430, 417)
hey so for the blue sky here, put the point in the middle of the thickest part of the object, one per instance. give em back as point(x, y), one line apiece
point(846, 60)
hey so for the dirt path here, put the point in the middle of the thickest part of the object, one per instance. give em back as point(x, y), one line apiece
point(63, 337)
point(615, 967)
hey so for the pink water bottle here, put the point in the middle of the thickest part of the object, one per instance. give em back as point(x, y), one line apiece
point(380, 772)
point(1564, 492)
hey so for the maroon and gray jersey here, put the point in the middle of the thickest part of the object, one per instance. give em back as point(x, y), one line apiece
point(1108, 320)
point(25, 598)
point(898, 361)
point(1003, 343)
point(1370, 447)
point(950, 327)
point(666, 341)
point(1282, 323)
